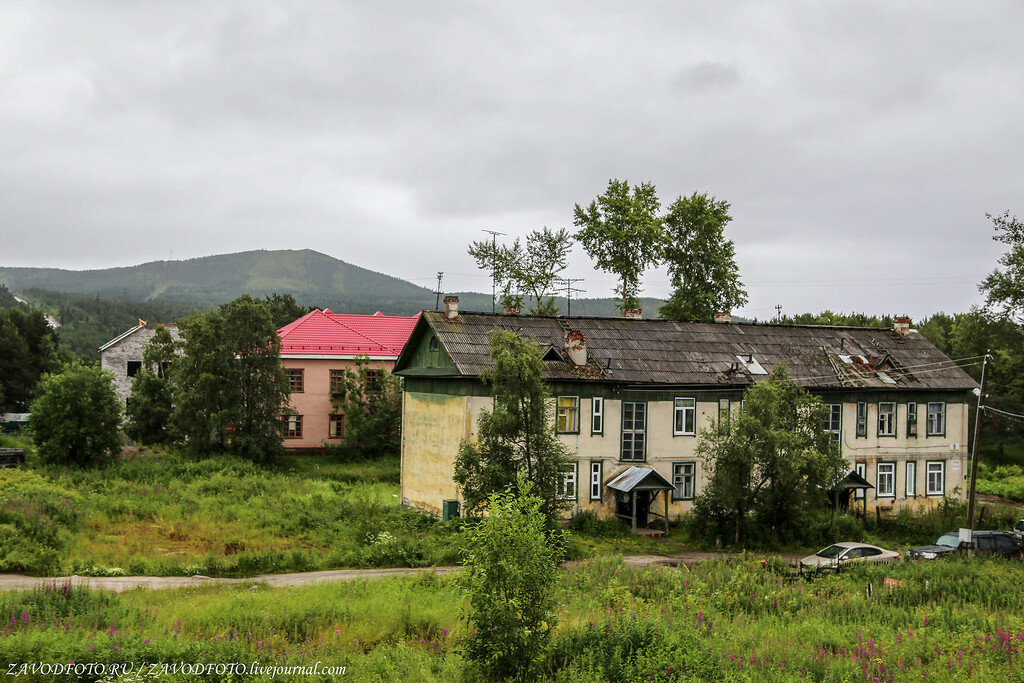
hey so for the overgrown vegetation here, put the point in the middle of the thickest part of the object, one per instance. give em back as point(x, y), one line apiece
point(724, 620)
point(371, 403)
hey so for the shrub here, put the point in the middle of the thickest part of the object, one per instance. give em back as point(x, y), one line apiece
point(77, 417)
point(36, 521)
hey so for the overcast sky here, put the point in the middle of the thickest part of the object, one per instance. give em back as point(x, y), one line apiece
point(860, 143)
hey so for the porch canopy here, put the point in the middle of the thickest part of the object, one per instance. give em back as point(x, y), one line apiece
point(637, 481)
point(850, 482)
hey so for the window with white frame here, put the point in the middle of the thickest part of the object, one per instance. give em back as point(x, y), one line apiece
point(911, 419)
point(568, 420)
point(683, 479)
point(567, 483)
point(834, 421)
point(911, 478)
point(634, 430)
point(936, 478)
point(596, 475)
point(685, 417)
point(886, 485)
point(936, 419)
point(862, 419)
point(860, 468)
point(887, 419)
point(597, 415)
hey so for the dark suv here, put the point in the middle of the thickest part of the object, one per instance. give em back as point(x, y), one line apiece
point(999, 543)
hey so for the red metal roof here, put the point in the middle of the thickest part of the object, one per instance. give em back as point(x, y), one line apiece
point(325, 333)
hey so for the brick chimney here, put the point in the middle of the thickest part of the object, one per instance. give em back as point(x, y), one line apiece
point(633, 313)
point(451, 308)
point(576, 347)
point(902, 326)
point(723, 317)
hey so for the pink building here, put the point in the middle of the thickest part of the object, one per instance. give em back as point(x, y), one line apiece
point(315, 351)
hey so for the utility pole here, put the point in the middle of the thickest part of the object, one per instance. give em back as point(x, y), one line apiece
point(437, 304)
point(494, 262)
point(974, 446)
point(569, 289)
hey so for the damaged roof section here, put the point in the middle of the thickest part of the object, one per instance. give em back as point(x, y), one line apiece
point(640, 351)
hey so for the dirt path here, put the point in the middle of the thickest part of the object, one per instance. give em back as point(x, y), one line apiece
point(124, 583)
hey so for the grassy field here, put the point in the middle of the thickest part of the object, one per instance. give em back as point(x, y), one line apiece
point(164, 514)
point(722, 620)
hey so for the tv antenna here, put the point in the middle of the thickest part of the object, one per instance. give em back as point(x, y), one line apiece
point(569, 291)
point(778, 311)
point(437, 304)
point(494, 262)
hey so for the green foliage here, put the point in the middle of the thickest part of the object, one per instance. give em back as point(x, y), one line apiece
point(372, 407)
point(77, 417)
point(510, 571)
point(37, 518)
point(770, 464)
point(150, 403)
point(229, 385)
point(28, 348)
point(517, 436)
point(621, 230)
point(283, 309)
point(701, 261)
point(1006, 481)
point(532, 270)
point(1004, 288)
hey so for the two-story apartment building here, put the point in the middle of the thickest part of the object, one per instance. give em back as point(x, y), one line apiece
point(635, 393)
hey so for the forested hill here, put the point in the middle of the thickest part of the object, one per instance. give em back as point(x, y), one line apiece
point(309, 276)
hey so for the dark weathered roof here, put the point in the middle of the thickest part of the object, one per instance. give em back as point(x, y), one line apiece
point(641, 351)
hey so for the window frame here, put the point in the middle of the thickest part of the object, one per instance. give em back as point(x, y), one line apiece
point(374, 383)
point(912, 420)
point(290, 373)
point(861, 468)
point(332, 420)
point(910, 473)
point(597, 470)
point(573, 410)
point(878, 479)
point(677, 409)
point(892, 426)
point(572, 471)
point(837, 434)
point(678, 492)
point(928, 480)
point(942, 417)
point(132, 368)
point(286, 427)
point(336, 382)
point(597, 415)
point(862, 420)
point(634, 431)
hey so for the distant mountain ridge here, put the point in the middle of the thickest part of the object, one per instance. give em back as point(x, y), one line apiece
point(313, 278)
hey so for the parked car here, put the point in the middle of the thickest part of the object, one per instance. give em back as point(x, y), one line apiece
point(839, 554)
point(1001, 543)
point(1018, 530)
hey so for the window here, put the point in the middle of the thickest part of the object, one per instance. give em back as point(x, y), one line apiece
point(596, 477)
point(337, 385)
point(911, 478)
point(634, 427)
point(567, 484)
point(373, 380)
point(911, 419)
point(834, 421)
point(886, 480)
point(862, 469)
point(685, 422)
point(887, 419)
point(936, 419)
point(936, 478)
point(294, 379)
point(133, 367)
point(683, 480)
point(597, 415)
point(862, 419)
point(293, 427)
point(723, 413)
point(336, 426)
point(568, 421)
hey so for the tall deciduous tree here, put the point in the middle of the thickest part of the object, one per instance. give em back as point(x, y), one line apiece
point(371, 408)
point(230, 388)
point(1004, 288)
point(531, 270)
point(621, 230)
point(700, 260)
point(77, 417)
point(771, 464)
point(150, 403)
point(517, 436)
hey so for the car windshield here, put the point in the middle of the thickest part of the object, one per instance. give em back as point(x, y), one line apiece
point(830, 552)
point(949, 540)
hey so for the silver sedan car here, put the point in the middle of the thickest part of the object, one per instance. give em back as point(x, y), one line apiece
point(839, 554)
